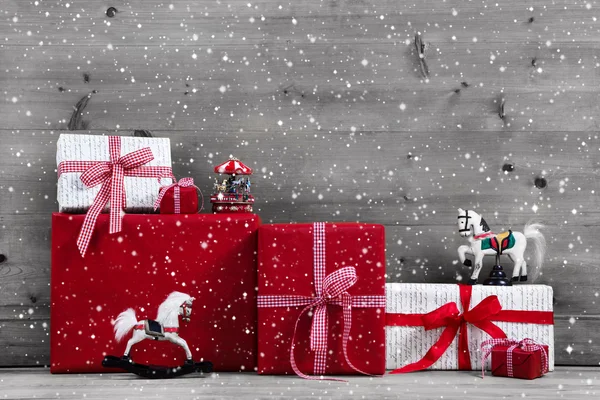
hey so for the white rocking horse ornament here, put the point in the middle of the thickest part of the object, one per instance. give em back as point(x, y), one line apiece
point(165, 327)
point(482, 242)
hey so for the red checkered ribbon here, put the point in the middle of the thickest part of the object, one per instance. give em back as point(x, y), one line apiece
point(110, 174)
point(183, 182)
point(527, 344)
point(330, 290)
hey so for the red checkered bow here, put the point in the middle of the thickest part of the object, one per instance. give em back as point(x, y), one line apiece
point(183, 182)
point(330, 290)
point(525, 345)
point(110, 174)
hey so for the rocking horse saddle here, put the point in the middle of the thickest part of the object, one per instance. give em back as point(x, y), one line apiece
point(500, 242)
point(153, 328)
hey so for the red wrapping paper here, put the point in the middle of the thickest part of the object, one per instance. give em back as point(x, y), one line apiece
point(286, 268)
point(188, 201)
point(210, 257)
point(526, 364)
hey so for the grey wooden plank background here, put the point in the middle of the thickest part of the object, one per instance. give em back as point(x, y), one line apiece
point(325, 100)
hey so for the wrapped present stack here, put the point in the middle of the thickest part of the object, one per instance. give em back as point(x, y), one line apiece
point(221, 289)
point(104, 263)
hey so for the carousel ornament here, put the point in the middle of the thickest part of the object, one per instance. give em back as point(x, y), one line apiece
point(232, 194)
point(482, 242)
point(165, 327)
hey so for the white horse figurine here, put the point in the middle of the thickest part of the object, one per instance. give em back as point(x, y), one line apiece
point(482, 242)
point(165, 327)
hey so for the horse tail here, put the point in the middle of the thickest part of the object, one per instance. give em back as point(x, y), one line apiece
point(532, 231)
point(124, 323)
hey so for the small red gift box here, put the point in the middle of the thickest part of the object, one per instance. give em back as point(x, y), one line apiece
point(525, 364)
point(209, 257)
point(321, 299)
point(178, 198)
point(523, 359)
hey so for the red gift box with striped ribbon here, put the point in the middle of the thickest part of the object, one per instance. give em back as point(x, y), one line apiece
point(321, 299)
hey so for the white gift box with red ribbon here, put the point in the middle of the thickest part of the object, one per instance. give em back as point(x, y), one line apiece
point(140, 192)
point(426, 320)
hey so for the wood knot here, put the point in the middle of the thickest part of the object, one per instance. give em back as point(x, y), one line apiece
point(540, 182)
point(111, 12)
point(508, 167)
point(142, 133)
point(33, 299)
point(2, 258)
point(530, 20)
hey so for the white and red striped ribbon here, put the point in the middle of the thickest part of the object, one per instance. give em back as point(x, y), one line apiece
point(183, 182)
point(525, 345)
point(110, 174)
point(330, 290)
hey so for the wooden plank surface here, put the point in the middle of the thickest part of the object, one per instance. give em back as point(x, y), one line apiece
point(326, 101)
point(282, 88)
point(568, 383)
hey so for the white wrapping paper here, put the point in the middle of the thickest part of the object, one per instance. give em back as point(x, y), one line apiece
point(74, 197)
point(405, 345)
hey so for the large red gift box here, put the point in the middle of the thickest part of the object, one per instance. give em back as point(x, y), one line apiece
point(525, 363)
point(210, 257)
point(308, 274)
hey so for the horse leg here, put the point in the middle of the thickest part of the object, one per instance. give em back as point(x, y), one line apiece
point(181, 342)
point(477, 270)
point(519, 268)
point(462, 252)
point(135, 338)
point(523, 277)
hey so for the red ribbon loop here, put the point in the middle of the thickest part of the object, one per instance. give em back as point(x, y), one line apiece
point(445, 315)
point(338, 282)
point(487, 308)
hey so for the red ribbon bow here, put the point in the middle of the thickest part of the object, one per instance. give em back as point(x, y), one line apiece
point(330, 290)
point(183, 182)
point(448, 317)
point(110, 174)
point(526, 344)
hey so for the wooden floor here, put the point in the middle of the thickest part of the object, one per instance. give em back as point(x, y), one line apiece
point(566, 382)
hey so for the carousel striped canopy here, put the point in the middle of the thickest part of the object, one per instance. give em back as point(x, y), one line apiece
point(233, 166)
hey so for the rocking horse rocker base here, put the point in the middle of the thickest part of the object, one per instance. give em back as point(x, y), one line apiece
point(156, 371)
point(164, 327)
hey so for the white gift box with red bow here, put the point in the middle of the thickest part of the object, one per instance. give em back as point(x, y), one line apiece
point(140, 192)
point(429, 327)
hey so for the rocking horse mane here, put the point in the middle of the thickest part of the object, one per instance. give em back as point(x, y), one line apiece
point(170, 305)
point(484, 225)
